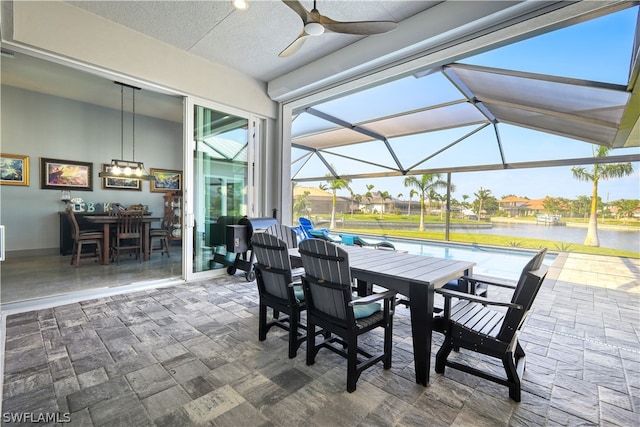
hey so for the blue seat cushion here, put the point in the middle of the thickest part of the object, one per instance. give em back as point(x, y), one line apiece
point(298, 292)
point(366, 310)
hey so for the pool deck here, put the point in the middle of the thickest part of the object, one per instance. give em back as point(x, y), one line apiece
point(188, 354)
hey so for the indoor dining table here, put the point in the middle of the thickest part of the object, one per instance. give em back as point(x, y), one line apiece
point(414, 276)
point(108, 220)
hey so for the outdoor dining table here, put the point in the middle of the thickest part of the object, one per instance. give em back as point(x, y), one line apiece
point(108, 220)
point(414, 276)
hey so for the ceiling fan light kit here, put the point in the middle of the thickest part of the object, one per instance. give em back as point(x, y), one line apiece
point(314, 29)
point(315, 24)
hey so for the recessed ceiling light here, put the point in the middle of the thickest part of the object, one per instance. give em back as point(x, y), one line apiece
point(240, 4)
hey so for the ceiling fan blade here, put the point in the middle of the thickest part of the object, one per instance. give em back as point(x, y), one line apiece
point(294, 46)
point(298, 8)
point(361, 27)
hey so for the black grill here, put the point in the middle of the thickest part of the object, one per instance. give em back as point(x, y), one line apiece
point(238, 240)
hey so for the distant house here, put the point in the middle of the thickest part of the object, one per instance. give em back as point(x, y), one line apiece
point(513, 206)
point(614, 211)
point(535, 207)
point(319, 201)
point(520, 206)
point(469, 214)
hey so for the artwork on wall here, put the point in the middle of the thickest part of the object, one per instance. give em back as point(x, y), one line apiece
point(166, 180)
point(14, 169)
point(58, 174)
point(119, 183)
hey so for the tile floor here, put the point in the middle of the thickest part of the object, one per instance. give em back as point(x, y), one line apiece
point(50, 274)
point(189, 355)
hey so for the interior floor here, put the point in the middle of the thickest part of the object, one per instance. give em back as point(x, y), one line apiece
point(32, 276)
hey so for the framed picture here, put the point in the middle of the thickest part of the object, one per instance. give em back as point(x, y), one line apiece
point(14, 169)
point(119, 183)
point(166, 180)
point(58, 174)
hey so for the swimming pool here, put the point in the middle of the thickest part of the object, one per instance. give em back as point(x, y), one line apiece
point(497, 262)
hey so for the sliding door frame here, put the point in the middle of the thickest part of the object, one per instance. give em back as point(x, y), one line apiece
point(254, 199)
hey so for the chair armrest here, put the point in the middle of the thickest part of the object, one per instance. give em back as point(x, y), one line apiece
point(447, 293)
point(495, 281)
point(297, 272)
point(373, 297)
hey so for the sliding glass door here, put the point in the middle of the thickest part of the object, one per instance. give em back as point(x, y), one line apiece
point(221, 177)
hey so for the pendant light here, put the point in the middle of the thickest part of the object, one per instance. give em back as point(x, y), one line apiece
point(129, 169)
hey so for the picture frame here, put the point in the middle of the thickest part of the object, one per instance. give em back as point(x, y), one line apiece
point(14, 169)
point(57, 174)
point(166, 180)
point(119, 183)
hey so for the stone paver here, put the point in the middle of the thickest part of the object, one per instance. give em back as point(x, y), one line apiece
point(189, 355)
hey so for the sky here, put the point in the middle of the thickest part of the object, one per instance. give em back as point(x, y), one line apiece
point(598, 50)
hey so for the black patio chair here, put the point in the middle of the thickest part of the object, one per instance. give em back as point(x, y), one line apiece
point(471, 323)
point(342, 319)
point(277, 290)
point(290, 237)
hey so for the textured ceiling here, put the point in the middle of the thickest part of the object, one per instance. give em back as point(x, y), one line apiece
point(248, 41)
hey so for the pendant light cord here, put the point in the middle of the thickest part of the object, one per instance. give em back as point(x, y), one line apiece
point(121, 122)
point(133, 122)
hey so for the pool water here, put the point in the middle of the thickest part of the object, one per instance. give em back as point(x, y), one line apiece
point(497, 262)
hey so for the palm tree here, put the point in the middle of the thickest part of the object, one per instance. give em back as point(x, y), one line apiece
point(369, 195)
point(464, 200)
point(358, 199)
point(301, 204)
point(626, 208)
point(433, 196)
point(384, 195)
point(351, 195)
point(482, 195)
point(335, 184)
point(425, 183)
point(411, 194)
point(599, 172)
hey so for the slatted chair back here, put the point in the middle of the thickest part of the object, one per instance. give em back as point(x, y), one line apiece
point(129, 224)
point(81, 238)
point(284, 233)
point(526, 290)
point(277, 290)
point(75, 228)
point(272, 264)
point(327, 272)
point(341, 319)
point(129, 233)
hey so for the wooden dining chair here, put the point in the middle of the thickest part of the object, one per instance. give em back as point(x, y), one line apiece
point(81, 238)
point(342, 318)
point(162, 235)
point(129, 234)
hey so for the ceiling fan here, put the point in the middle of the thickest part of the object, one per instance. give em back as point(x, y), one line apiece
point(316, 24)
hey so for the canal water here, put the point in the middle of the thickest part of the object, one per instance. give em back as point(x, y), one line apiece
point(615, 239)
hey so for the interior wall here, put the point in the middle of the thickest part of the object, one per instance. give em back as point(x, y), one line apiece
point(62, 29)
point(40, 125)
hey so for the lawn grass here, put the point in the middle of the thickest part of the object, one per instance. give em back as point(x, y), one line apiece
point(493, 240)
point(632, 223)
